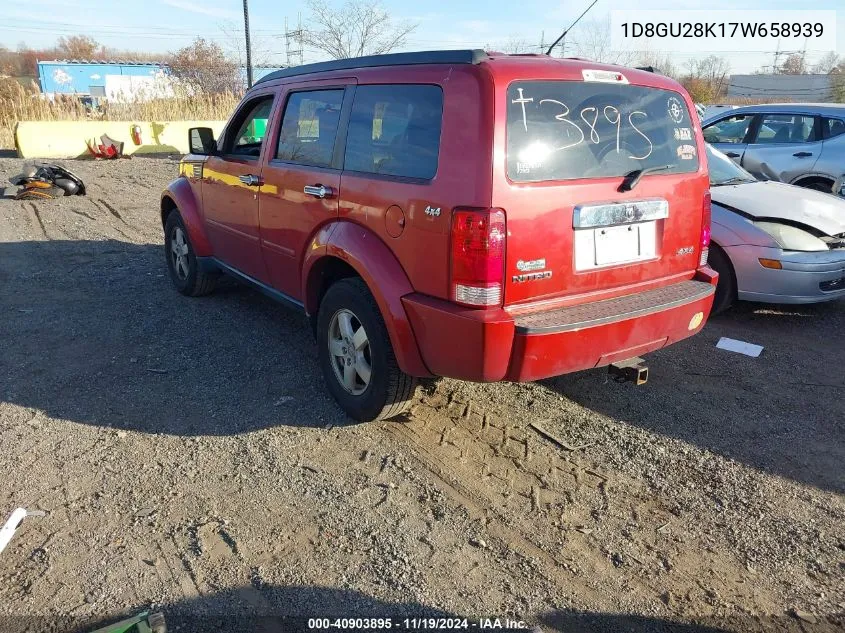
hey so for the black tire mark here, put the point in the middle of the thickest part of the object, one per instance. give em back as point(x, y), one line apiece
point(111, 210)
point(101, 205)
point(30, 206)
point(83, 214)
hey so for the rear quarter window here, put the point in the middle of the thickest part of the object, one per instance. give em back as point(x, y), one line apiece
point(395, 130)
point(562, 130)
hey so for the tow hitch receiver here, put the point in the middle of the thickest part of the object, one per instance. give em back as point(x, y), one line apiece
point(631, 370)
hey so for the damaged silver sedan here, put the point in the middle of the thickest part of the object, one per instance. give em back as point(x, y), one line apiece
point(773, 242)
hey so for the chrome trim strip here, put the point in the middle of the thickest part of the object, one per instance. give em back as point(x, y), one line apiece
point(586, 216)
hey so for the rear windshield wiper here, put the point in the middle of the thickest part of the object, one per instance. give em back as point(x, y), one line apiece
point(632, 178)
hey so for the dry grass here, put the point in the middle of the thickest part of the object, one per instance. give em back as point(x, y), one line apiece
point(18, 104)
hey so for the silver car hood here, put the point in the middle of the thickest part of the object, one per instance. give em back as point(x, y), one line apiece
point(822, 211)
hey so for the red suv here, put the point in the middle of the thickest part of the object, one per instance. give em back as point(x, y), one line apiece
point(455, 213)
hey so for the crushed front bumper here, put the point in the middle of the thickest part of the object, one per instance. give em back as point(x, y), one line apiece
point(810, 277)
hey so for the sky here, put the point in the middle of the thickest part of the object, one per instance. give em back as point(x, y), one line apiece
point(166, 25)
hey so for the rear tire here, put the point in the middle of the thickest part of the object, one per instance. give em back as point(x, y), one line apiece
point(726, 286)
point(356, 357)
point(182, 263)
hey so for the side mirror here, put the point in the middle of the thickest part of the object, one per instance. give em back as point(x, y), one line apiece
point(201, 141)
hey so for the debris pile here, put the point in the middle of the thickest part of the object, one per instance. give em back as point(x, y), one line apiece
point(44, 180)
point(107, 147)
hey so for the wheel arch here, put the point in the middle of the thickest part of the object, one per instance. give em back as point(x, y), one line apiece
point(731, 267)
point(806, 179)
point(352, 250)
point(179, 195)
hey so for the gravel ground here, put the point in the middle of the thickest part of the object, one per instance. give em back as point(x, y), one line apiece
point(188, 458)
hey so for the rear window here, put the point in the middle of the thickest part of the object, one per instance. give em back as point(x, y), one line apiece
point(395, 130)
point(562, 130)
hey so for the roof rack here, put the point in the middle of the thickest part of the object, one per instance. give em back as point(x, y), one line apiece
point(474, 56)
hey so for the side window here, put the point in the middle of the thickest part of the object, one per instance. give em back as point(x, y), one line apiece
point(832, 127)
point(309, 127)
point(395, 130)
point(786, 128)
point(730, 130)
point(250, 131)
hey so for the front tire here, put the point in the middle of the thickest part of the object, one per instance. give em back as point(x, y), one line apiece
point(726, 286)
point(182, 263)
point(356, 357)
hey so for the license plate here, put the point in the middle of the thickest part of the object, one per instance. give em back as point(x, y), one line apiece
point(617, 244)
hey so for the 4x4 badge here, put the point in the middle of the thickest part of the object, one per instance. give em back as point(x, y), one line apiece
point(432, 211)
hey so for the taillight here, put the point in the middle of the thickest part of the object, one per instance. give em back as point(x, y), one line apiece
point(478, 257)
point(706, 213)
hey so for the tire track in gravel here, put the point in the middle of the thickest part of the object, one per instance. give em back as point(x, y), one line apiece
point(131, 233)
point(556, 509)
point(35, 219)
point(487, 489)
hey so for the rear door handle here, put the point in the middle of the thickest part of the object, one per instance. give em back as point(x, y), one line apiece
point(802, 154)
point(318, 191)
point(250, 180)
point(731, 154)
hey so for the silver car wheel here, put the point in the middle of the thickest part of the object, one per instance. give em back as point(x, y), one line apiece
point(349, 351)
point(179, 253)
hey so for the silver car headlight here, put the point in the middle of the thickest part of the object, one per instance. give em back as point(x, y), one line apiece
point(791, 238)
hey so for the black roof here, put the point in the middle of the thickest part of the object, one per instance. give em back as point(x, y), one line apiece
point(371, 61)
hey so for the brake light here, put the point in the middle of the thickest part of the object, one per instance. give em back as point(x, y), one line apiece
point(477, 257)
point(706, 213)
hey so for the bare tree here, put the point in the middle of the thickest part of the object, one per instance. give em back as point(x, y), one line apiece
point(262, 47)
point(203, 66)
point(517, 45)
point(359, 27)
point(714, 71)
point(591, 40)
point(661, 63)
point(829, 63)
point(78, 47)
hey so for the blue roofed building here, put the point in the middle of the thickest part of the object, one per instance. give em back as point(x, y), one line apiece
point(118, 80)
point(114, 80)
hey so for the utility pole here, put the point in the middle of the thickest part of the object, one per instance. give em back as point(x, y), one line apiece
point(775, 60)
point(293, 53)
point(248, 49)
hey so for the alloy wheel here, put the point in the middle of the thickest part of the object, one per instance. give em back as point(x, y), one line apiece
point(349, 351)
point(179, 253)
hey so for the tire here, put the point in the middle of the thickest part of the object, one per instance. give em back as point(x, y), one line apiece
point(184, 271)
point(819, 185)
point(726, 286)
point(347, 307)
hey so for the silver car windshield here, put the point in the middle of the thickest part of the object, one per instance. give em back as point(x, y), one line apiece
point(723, 171)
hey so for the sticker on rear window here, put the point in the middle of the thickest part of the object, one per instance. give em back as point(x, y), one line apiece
point(686, 152)
point(682, 134)
point(676, 110)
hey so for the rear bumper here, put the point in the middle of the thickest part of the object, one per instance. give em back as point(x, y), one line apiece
point(491, 345)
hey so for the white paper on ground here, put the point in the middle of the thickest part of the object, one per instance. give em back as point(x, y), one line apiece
point(11, 525)
point(740, 347)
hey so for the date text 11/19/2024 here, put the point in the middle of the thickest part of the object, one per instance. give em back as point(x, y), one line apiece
point(418, 624)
